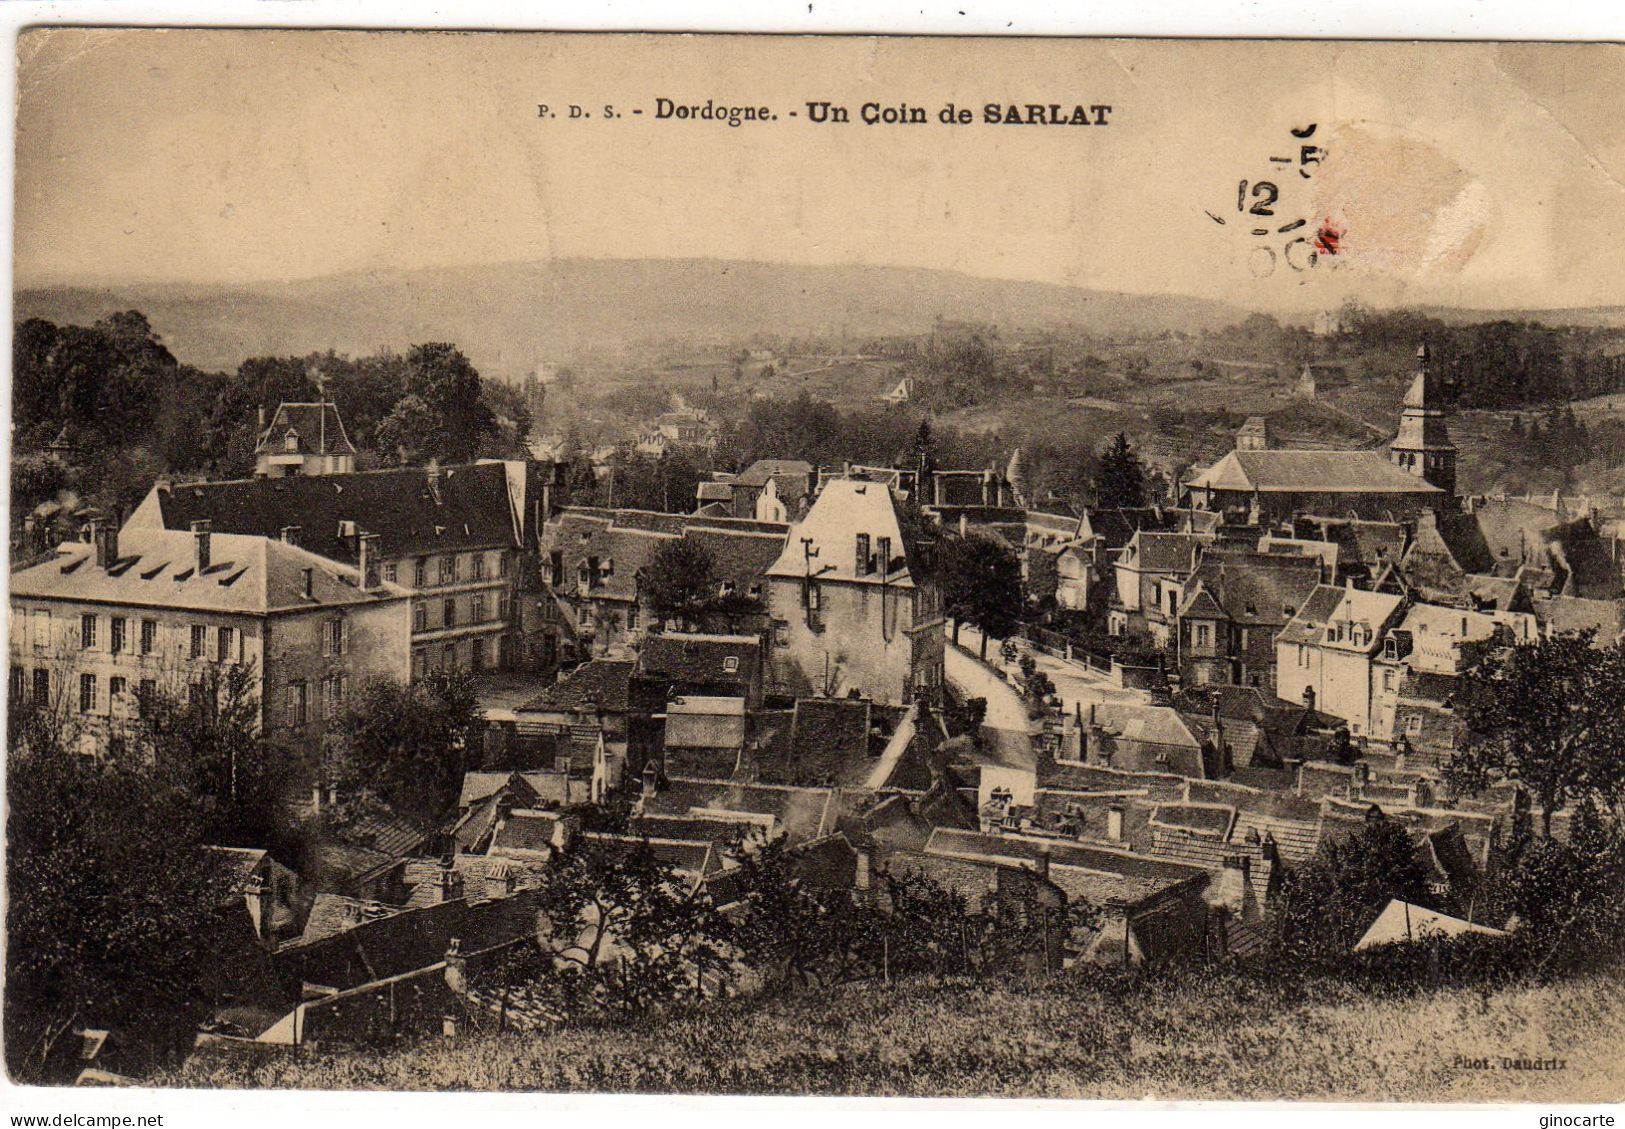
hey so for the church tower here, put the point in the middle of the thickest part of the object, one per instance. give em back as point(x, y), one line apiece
point(1423, 446)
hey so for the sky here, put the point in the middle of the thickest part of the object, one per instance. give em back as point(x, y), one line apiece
point(1477, 175)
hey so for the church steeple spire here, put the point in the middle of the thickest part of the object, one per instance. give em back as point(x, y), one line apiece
point(1423, 446)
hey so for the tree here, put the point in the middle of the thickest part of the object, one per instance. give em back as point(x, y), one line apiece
point(1550, 714)
point(450, 387)
point(1326, 905)
point(407, 431)
point(680, 580)
point(982, 586)
point(109, 891)
point(407, 746)
point(627, 931)
point(1120, 481)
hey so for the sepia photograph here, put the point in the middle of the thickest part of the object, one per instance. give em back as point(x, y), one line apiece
point(816, 565)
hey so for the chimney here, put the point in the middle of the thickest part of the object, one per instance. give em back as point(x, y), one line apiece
point(310, 580)
point(106, 537)
point(290, 534)
point(862, 877)
point(433, 474)
point(449, 882)
point(651, 779)
point(1268, 850)
point(259, 898)
point(1042, 863)
point(1114, 823)
point(200, 535)
point(367, 562)
point(262, 421)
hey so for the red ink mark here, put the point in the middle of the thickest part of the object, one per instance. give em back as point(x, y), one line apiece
point(1328, 237)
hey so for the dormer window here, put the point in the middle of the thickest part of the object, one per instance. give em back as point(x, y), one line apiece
point(730, 664)
point(290, 441)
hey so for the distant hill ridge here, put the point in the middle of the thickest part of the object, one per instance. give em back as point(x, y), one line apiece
point(509, 316)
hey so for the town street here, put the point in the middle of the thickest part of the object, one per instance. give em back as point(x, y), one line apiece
point(1077, 686)
point(1006, 729)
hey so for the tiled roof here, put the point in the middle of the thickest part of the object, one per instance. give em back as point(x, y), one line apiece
point(598, 682)
point(318, 426)
point(695, 859)
point(1313, 472)
point(1211, 854)
point(1085, 816)
point(699, 659)
point(412, 513)
point(158, 568)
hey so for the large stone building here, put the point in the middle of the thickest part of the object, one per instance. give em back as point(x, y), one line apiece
point(450, 534)
point(104, 626)
point(851, 610)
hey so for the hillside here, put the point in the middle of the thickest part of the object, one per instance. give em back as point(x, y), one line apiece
point(509, 316)
point(1215, 1036)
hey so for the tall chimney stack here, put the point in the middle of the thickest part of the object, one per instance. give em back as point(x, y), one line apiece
point(200, 536)
point(310, 580)
point(1114, 823)
point(367, 561)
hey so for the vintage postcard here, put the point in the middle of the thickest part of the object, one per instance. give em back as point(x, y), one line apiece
point(736, 564)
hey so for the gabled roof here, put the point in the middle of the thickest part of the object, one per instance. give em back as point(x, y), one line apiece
point(1401, 921)
point(1094, 873)
point(1310, 472)
point(317, 427)
point(1257, 589)
point(1328, 605)
point(410, 510)
point(157, 568)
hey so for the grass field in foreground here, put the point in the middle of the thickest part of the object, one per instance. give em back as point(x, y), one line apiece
point(1214, 1036)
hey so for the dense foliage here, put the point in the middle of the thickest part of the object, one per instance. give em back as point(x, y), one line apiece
point(407, 746)
point(111, 905)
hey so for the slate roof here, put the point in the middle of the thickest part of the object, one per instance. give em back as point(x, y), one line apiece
point(157, 568)
point(467, 509)
point(846, 508)
point(761, 470)
point(597, 682)
point(320, 431)
point(527, 831)
point(1257, 589)
point(1571, 613)
point(828, 737)
point(1313, 472)
point(1175, 553)
point(802, 813)
point(1328, 604)
point(1210, 820)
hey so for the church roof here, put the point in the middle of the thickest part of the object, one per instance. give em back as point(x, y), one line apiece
point(1312, 472)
